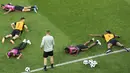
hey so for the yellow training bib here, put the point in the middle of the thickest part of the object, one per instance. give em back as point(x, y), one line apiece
point(19, 25)
point(108, 37)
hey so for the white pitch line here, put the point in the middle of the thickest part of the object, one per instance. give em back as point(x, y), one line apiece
point(74, 61)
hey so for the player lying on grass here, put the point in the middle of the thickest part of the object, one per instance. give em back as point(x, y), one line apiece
point(10, 8)
point(17, 30)
point(73, 50)
point(110, 39)
point(16, 51)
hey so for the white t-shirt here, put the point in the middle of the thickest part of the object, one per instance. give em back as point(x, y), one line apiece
point(47, 43)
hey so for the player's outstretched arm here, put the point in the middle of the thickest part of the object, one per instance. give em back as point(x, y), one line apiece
point(8, 12)
point(95, 35)
point(13, 25)
point(117, 36)
point(7, 55)
point(19, 56)
point(25, 26)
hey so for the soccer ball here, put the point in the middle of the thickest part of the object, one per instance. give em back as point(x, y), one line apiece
point(90, 62)
point(93, 64)
point(85, 62)
point(27, 69)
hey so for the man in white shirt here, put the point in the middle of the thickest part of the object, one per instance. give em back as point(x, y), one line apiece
point(48, 45)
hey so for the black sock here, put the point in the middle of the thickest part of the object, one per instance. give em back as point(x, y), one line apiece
point(109, 48)
point(44, 66)
point(91, 40)
point(52, 66)
point(96, 42)
point(122, 47)
point(32, 7)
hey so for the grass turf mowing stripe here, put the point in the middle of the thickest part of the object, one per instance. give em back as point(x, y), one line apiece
point(78, 60)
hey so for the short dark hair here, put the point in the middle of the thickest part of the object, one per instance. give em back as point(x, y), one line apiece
point(22, 18)
point(11, 54)
point(66, 50)
point(48, 31)
point(9, 3)
point(2, 5)
point(108, 31)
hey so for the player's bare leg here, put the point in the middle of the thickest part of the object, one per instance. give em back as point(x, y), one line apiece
point(52, 61)
point(45, 64)
point(7, 36)
point(26, 10)
point(122, 46)
point(89, 41)
point(27, 7)
point(14, 38)
point(95, 43)
point(109, 46)
point(30, 9)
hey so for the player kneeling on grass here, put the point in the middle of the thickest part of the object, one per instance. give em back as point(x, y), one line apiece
point(9, 8)
point(82, 47)
point(16, 51)
point(111, 40)
point(17, 30)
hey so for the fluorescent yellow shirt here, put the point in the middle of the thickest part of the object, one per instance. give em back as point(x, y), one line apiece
point(19, 25)
point(108, 37)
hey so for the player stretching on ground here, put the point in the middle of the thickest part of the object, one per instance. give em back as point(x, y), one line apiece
point(16, 51)
point(9, 8)
point(17, 30)
point(111, 40)
point(82, 47)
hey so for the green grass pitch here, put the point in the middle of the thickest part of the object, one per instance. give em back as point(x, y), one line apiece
point(70, 22)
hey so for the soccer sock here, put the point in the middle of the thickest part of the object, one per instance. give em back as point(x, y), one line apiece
point(125, 48)
point(32, 6)
point(44, 66)
point(122, 47)
point(109, 48)
point(96, 42)
point(91, 40)
point(52, 66)
point(31, 9)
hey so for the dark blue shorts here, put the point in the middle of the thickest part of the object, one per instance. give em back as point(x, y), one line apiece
point(113, 41)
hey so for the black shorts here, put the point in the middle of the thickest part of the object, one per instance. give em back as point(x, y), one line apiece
point(46, 54)
point(113, 41)
point(15, 32)
point(19, 8)
point(81, 46)
point(21, 46)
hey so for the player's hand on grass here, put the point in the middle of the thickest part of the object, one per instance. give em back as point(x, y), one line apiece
point(118, 36)
point(27, 30)
point(90, 34)
point(7, 55)
point(18, 58)
point(5, 13)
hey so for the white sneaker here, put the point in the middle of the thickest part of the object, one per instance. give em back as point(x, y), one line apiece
point(98, 42)
point(108, 51)
point(29, 42)
point(92, 39)
point(35, 10)
point(24, 40)
point(36, 7)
